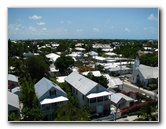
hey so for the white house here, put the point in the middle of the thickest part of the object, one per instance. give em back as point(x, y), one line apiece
point(50, 95)
point(13, 104)
point(113, 82)
point(89, 92)
point(95, 73)
point(52, 56)
point(121, 101)
point(12, 81)
point(144, 74)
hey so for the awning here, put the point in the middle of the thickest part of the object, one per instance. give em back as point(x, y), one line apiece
point(95, 95)
point(53, 100)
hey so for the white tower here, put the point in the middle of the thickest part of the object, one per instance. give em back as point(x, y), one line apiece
point(135, 70)
point(136, 63)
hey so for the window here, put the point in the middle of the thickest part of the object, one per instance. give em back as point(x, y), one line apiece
point(93, 100)
point(52, 92)
point(105, 97)
point(99, 99)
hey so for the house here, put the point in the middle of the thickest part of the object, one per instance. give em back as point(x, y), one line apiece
point(16, 91)
point(144, 74)
point(53, 71)
point(53, 57)
point(12, 81)
point(89, 92)
point(121, 101)
point(13, 104)
point(113, 82)
point(119, 70)
point(95, 73)
point(50, 95)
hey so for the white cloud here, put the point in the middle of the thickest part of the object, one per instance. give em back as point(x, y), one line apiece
point(95, 30)
point(41, 23)
point(127, 29)
point(30, 28)
point(152, 17)
point(44, 29)
point(79, 30)
point(35, 17)
point(16, 28)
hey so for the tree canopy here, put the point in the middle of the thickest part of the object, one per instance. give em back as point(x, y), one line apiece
point(31, 110)
point(63, 63)
point(101, 80)
point(36, 67)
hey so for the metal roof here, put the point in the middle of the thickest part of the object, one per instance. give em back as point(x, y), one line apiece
point(115, 98)
point(54, 100)
point(13, 100)
point(53, 56)
point(81, 83)
point(118, 96)
point(12, 77)
point(95, 73)
point(148, 71)
point(94, 95)
point(112, 82)
point(42, 86)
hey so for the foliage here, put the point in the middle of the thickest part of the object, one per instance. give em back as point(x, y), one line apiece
point(150, 59)
point(32, 114)
point(69, 112)
point(146, 111)
point(63, 63)
point(31, 111)
point(36, 66)
point(101, 80)
point(12, 117)
point(28, 97)
point(63, 47)
point(129, 50)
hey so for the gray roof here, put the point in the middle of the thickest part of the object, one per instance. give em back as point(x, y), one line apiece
point(12, 77)
point(148, 71)
point(118, 96)
point(81, 83)
point(42, 86)
point(13, 100)
point(113, 81)
point(115, 98)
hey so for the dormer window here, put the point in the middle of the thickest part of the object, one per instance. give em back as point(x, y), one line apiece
point(52, 92)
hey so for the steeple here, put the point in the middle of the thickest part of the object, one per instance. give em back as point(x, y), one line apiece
point(136, 62)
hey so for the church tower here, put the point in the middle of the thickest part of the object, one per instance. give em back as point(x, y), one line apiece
point(135, 70)
point(136, 63)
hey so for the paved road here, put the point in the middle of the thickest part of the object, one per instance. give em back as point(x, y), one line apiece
point(128, 118)
point(127, 86)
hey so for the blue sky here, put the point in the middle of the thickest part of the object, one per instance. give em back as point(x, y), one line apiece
point(83, 23)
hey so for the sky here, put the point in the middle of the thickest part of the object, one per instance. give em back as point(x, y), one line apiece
point(83, 23)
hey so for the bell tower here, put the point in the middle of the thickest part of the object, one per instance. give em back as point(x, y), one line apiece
point(136, 62)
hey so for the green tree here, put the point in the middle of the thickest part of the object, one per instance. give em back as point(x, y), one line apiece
point(69, 112)
point(150, 59)
point(12, 117)
point(101, 80)
point(146, 111)
point(63, 63)
point(36, 67)
point(31, 110)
